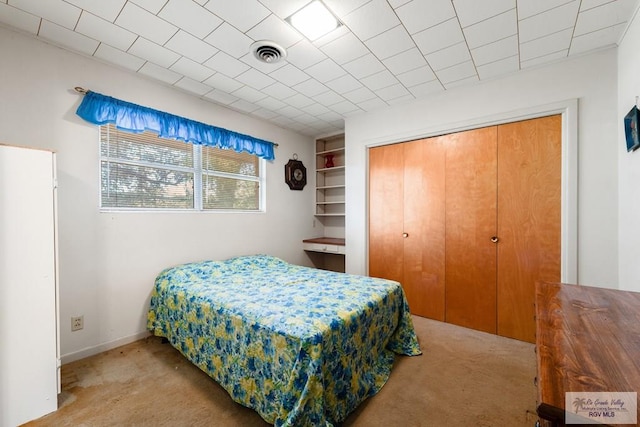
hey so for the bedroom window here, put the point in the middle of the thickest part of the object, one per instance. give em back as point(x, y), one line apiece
point(144, 171)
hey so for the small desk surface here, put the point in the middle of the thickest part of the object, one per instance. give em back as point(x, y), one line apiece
point(325, 241)
point(587, 340)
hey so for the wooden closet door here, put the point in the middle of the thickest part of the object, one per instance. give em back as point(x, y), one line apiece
point(424, 225)
point(529, 197)
point(386, 212)
point(471, 163)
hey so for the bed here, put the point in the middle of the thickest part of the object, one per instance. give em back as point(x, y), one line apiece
point(301, 346)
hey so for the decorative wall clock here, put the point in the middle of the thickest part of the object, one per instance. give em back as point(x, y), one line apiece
point(295, 174)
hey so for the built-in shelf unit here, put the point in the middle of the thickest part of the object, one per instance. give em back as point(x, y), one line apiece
point(329, 207)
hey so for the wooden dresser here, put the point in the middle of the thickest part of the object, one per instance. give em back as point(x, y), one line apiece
point(587, 340)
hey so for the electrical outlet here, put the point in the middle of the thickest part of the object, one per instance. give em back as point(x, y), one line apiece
point(77, 323)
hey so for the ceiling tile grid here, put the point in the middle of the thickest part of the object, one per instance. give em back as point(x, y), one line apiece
point(386, 52)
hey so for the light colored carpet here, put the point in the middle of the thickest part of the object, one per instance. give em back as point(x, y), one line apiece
point(463, 378)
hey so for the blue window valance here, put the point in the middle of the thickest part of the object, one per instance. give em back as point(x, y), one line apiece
point(100, 109)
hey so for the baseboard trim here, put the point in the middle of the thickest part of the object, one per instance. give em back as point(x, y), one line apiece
point(92, 351)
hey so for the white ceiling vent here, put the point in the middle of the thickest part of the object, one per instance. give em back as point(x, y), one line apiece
point(268, 51)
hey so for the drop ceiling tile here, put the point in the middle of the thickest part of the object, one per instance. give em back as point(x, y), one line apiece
point(392, 92)
point(425, 89)
point(457, 72)
point(448, 57)
point(242, 14)
point(104, 31)
point(290, 112)
point(371, 19)
point(330, 36)
point(226, 64)
point(315, 109)
point(56, 11)
point(153, 6)
point(495, 51)
point(264, 113)
point(603, 16)
point(402, 100)
point(473, 11)
point(344, 84)
point(299, 101)
point(417, 76)
point(230, 40)
point(191, 47)
point(192, 69)
point(597, 39)
point(284, 8)
point(149, 26)
point(221, 97)
point(279, 91)
point(271, 103)
point(590, 4)
point(372, 104)
point(159, 73)
point(390, 42)
point(492, 29)
point(244, 106)
point(498, 68)
point(405, 61)
point(289, 75)
point(222, 82)
point(344, 7)
point(548, 22)
point(419, 15)
point(527, 8)
point(304, 54)
point(364, 66)
point(345, 49)
point(249, 94)
point(331, 117)
point(397, 3)
point(359, 95)
point(439, 37)
point(255, 79)
point(328, 98)
point(345, 107)
point(310, 87)
point(275, 29)
point(263, 67)
point(543, 46)
point(379, 80)
point(67, 38)
point(192, 86)
point(190, 17)
point(118, 57)
point(325, 70)
point(150, 51)
point(19, 19)
point(544, 59)
point(283, 121)
point(462, 82)
point(107, 10)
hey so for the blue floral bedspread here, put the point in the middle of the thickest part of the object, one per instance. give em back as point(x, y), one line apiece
point(301, 346)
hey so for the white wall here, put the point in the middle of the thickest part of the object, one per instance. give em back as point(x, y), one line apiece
point(590, 79)
point(629, 163)
point(108, 261)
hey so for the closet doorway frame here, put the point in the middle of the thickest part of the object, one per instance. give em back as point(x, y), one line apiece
point(568, 109)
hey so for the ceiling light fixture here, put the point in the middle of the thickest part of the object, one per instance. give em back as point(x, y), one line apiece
point(314, 20)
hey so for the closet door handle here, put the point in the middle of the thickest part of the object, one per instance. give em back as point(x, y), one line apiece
point(405, 235)
point(494, 239)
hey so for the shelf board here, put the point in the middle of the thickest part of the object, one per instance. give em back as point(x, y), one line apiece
point(335, 150)
point(335, 168)
point(341, 214)
point(330, 187)
point(330, 203)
